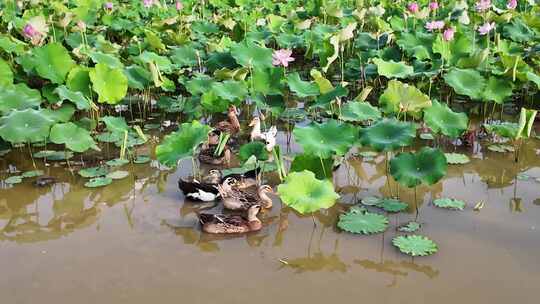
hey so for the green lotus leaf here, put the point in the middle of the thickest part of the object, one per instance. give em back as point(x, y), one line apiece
point(52, 62)
point(534, 78)
point(182, 143)
point(93, 172)
point(449, 203)
point(75, 138)
point(388, 135)
point(106, 59)
point(359, 111)
point(98, 182)
point(6, 75)
point(456, 158)
point(77, 98)
point(268, 81)
point(526, 122)
point(392, 69)
point(138, 77)
point(142, 159)
point(18, 97)
point(119, 174)
point(441, 119)
point(249, 54)
point(255, 148)
point(199, 84)
point(371, 201)
point(425, 166)
point(54, 155)
point(401, 97)
point(504, 129)
point(305, 193)
point(26, 126)
point(109, 137)
point(78, 80)
point(161, 62)
point(426, 136)
point(410, 227)
point(498, 89)
point(359, 221)
point(500, 148)
point(322, 140)
point(415, 245)
point(115, 124)
point(392, 205)
point(211, 102)
point(117, 162)
point(185, 56)
point(467, 82)
point(62, 114)
point(16, 179)
point(302, 88)
point(32, 173)
point(110, 83)
point(518, 31)
point(230, 90)
point(314, 164)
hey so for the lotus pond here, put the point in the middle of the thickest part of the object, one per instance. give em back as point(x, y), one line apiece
point(398, 137)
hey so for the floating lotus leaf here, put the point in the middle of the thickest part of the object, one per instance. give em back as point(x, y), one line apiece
point(54, 155)
point(98, 182)
point(498, 89)
point(526, 122)
point(392, 205)
point(249, 54)
point(359, 111)
point(305, 193)
point(415, 245)
point(302, 88)
point(456, 158)
point(314, 164)
point(323, 141)
point(119, 174)
point(182, 143)
point(392, 69)
point(449, 203)
point(18, 97)
point(425, 166)
point(75, 138)
point(142, 159)
point(401, 97)
point(6, 75)
point(77, 98)
point(52, 62)
point(410, 227)
point(500, 148)
point(110, 83)
point(32, 173)
point(504, 129)
point(361, 221)
point(441, 119)
point(371, 201)
point(25, 126)
point(388, 135)
point(467, 82)
point(255, 148)
point(93, 172)
point(16, 179)
point(117, 162)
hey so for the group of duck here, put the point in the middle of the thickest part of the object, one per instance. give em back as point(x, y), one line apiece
point(241, 193)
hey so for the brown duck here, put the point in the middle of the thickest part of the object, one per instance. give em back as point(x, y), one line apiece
point(232, 124)
point(225, 224)
point(236, 198)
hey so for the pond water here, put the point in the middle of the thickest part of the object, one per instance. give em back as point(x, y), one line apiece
point(137, 241)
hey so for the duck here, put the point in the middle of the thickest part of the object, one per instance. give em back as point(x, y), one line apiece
point(235, 198)
point(213, 177)
point(257, 134)
point(206, 153)
point(228, 224)
point(197, 191)
point(244, 180)
point(232, 124)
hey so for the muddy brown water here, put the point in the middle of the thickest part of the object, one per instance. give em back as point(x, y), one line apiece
point(137, 241)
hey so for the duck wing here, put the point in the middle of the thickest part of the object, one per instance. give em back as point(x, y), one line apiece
point(198, 191)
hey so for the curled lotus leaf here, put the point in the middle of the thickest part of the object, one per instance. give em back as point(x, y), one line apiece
point(441, 119)
point(110, 83)
point(415, 245)
point(400, 97)
point(526, 122)
point(300, 87)
point(425, 166)
point(305, 193)
point(359, 111)
point(388, 135)
point(361, 221)
point(322, 140)
point(182, 143)
point(25, 126)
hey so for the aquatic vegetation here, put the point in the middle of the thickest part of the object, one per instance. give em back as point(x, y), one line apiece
point(321, 140)
point(388, 135)
point(358, 220)
point(415, 245)
point(456, 158)
point(425, 166)
point(98, 182)
point(182, 143)
point(303, 192)
point(449, 203)
point(441, 119)
point(410, 227)
point(392, 205)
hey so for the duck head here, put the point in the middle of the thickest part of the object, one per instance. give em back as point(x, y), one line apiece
point(264, 190)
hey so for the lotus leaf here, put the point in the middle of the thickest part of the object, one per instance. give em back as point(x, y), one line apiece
point(25, 126)
point(359, 111)
point(392, 69)
point(401, 97)
point(467, 82)
point(456, 158)
point(314, 164)
point(504, 129)
point(62, 114)
point(415, 245)
point(16, 179)
point(410, 227)
point(33, 173)
point(449, 203)
point(142, 159)
point(359, 221)
point(185, 56)
point(98, 182)
point(182, 143)
point(78, 80)
point(75, 138)
point(392, 205)
point(249, 54)
point(110, 83)
point(498, 89)
point(54, 155)
point(426, 136)
point(425, 166)
point(77, 98)
point(321, 140)
point(441, 119)
point(534, 78)
point(119, 174)
point(526, 122)
point(106, 59)
point(138, 77)
point(93, 172)
point(305, 193)
point(6, 75)
point(388, 135)
point(18, 97)
point(500, 148)
point(268, 81)
point(255, 148)
point(302, 88)
point(117, 162)
point(110, 137)
point(230, 90)
point(52, 62)
point(115, 124)
point(518, 31)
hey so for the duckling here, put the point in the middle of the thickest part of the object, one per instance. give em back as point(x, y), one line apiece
point(235, 198)
point(232, 125)
point(213, 177)
point(222, 224)
point(198, 191)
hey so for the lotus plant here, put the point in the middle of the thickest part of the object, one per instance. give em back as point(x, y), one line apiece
point(36, 30)
point(282, 57)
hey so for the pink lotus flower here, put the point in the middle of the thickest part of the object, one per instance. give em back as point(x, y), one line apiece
point(108, 5)
point(483, 5)
point(448, 34)
point(29, 31)
point(148, 3)
point(511, 4)
point(486, 28)
point(413, 7)
point(435, 25)
point(282, 57)
point(179, 5)
point(434, 6)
